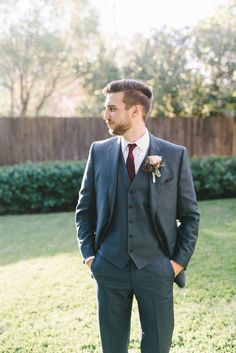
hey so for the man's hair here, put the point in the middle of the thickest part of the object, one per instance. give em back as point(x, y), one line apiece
point(135, 92)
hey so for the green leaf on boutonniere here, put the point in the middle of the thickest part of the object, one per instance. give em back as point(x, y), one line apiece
point(157, 172)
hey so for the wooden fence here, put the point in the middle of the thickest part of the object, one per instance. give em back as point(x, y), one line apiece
point(41, 139)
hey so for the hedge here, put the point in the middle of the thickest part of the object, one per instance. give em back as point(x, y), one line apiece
point(40, 187)
point(214, 177)
point(54, 186)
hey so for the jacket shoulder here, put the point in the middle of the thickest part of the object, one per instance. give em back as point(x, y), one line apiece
point(171, 145)
point(167, 145)
point(107, 142)
point(103, 145)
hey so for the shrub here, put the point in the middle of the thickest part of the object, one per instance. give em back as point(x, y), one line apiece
point(40, 187)
point(214, 177)
point(54, 186)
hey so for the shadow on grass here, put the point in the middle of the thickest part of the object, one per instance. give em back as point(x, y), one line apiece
point(24, 237)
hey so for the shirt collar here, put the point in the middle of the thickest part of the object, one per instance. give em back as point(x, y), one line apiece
point(142, 142)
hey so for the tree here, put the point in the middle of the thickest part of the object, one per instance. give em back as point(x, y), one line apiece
point(214, 48)
point(192, 71)
point(103, 70)
point(44, 51)
point(161, 61)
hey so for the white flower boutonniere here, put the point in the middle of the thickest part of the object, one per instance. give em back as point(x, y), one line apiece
point(152, 164)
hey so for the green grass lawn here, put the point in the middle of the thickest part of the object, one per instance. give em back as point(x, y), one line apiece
point(48, 301)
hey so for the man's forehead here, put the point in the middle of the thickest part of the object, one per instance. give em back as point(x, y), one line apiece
point(114, 99)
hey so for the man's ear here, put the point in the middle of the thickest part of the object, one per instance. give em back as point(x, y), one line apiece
point(137, 110)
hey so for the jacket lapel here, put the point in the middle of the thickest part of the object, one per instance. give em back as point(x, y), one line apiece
point(156, 149)
point(112, 168)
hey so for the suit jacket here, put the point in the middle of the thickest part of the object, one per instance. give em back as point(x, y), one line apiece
point(172, 197)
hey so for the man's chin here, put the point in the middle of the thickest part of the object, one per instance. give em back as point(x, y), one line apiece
point(114, 132)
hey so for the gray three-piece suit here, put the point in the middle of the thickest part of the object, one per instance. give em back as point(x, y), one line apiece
point(131, 228)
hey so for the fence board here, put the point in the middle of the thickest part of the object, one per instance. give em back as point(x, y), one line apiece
point(40, 139)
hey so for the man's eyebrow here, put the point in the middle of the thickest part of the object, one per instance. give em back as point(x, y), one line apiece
point(109, 106)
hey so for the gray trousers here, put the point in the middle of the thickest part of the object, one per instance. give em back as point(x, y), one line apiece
point(152, 287)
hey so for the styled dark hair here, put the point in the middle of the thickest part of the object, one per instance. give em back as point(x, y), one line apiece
point(135, 92)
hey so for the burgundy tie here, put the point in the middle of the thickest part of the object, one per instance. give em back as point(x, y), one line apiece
point(130, 161)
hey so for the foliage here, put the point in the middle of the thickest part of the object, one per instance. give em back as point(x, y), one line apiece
point(214, 49)
point(161, 61)
point(44, 51)
point(214, 177)
point(48, 300)
point(54, 186)
point(99, 73)
point(192, 71)
point(54, 61)
point(40, 187)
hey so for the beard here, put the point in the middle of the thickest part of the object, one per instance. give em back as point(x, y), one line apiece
point(120, 129)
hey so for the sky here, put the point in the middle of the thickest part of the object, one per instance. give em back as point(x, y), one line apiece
point(124, 18)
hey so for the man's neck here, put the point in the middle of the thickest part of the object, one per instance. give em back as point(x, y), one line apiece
point(133, 135)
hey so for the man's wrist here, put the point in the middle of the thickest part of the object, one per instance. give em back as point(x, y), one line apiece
point(85, 261)
point(177, 267)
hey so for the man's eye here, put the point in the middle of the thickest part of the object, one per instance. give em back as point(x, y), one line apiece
point(112, 109)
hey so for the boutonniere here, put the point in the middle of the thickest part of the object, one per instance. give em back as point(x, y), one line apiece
point(152, 164)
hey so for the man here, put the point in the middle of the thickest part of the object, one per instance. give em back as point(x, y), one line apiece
point(137, 220)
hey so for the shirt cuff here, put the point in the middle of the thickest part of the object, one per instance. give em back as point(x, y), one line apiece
point(88, 259)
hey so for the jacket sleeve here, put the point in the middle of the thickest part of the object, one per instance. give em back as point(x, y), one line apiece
point(85, 217)
point(187, 214)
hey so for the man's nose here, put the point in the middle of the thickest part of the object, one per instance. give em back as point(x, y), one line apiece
point(105, 114)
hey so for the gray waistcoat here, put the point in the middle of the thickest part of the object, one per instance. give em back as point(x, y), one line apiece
point(131, 233)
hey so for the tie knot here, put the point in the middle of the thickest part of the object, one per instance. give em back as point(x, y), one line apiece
point(131, 147)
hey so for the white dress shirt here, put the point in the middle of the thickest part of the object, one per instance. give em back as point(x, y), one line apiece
point(139, 153)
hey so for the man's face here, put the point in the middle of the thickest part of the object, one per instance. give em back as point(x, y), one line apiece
point(117, 118)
